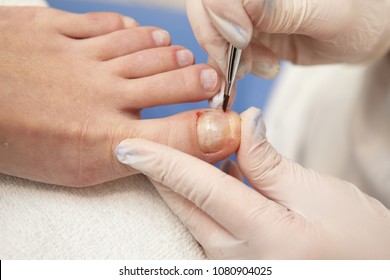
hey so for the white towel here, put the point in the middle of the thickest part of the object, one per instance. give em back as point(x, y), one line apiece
point(124, 219)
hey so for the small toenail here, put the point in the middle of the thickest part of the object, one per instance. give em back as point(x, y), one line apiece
point(209, 79)
point(161, 38)
point(129, 22)
point(184, 57)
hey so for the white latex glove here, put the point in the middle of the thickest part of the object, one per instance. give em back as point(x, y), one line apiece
point(290, 213)
point(302, 31)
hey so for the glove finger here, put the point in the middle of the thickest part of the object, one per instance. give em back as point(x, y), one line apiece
point(257, 159)
point(231, 21)
point(299, 49)
point(246, 63)
point(301, 190)
point(237, 19)
point(210, 235)
point(319, 20)
point(226, 200)
point(265, 63)
point(207, 35)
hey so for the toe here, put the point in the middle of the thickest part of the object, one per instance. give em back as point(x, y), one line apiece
point(125, 41)
point(151, 61)
point(81, 26)
point(189, 84)
point(211, 135)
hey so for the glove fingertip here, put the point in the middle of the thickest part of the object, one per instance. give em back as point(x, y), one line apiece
point(238, 34)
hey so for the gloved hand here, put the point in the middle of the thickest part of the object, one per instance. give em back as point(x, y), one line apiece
point(302, 31)
point(290, 213)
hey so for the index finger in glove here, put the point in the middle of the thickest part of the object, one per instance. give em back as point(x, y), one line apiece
point(205, 32)
point(213, 39)
point(228, 201)
point(315, 18)
point(238, 32)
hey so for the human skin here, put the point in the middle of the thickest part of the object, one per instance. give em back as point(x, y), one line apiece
point(72, 87)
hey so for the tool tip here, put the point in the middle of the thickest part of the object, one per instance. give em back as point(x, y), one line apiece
point(225, 102)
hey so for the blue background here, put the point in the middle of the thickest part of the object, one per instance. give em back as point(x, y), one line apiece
point(251, 91)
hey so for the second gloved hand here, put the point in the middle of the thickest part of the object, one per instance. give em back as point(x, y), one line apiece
point(304, 31)
point(290, 213)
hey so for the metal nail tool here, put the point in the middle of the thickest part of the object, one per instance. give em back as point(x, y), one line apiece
point(232, 67)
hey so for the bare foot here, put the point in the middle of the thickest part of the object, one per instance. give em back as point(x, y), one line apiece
point(72, 87)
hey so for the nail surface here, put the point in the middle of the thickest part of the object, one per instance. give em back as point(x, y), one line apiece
point(266, 70)
point(184, 57)
point(215, 129)
point(129, 22)
point(209, 79)
point(161, 38)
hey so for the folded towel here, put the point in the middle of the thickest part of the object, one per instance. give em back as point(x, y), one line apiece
point(124, 219)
